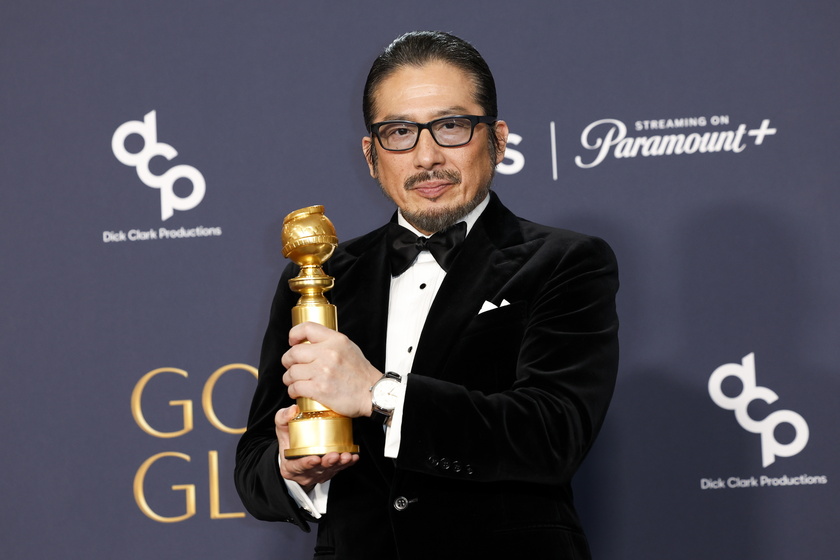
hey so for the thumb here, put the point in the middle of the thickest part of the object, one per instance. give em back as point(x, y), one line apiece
point(285, 415)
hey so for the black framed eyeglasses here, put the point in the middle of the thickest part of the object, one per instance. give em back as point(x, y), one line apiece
point(448, 132)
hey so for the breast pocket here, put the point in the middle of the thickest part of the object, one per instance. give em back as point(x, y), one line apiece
point(486, 354)
point(504, 318)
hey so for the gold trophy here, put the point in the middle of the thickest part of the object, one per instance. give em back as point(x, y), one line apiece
point(309, 240)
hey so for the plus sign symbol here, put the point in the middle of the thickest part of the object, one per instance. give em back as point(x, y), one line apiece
point(762, 131)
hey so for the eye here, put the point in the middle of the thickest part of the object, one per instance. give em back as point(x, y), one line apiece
point(452, 125)
point(395, 131)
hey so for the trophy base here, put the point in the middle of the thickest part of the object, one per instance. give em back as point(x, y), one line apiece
point(298, 452)
point(319, 435)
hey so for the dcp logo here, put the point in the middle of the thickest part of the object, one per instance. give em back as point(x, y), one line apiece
point(770, 446)
point(169, 201)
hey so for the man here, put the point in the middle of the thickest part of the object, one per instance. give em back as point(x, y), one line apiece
point(501, 355)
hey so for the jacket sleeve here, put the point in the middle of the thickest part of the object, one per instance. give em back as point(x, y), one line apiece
point(555, 354)
point(257, 474)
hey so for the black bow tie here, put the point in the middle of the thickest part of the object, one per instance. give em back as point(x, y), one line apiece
point(404, 246)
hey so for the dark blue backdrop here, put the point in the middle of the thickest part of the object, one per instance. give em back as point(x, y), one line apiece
point(725, 250)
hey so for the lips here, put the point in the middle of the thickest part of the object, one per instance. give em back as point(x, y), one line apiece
point(433, 184)
point(431, 189)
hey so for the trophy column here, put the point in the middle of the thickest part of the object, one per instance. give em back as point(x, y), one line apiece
point(309, 240)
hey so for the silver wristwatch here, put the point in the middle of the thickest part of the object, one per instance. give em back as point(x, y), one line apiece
point(384, 393)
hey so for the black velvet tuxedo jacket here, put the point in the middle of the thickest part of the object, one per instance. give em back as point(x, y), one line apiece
point(501, 407)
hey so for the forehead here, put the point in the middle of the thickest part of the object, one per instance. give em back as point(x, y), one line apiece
point(425, 92)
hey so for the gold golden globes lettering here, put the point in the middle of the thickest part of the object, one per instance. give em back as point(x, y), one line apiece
point(309, 240)
point(186, 425)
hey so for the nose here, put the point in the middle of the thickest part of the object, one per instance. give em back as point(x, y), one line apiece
point(427, 153)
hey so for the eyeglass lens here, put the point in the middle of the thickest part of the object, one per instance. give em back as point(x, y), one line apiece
point(446, 132)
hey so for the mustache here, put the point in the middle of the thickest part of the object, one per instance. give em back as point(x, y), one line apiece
point(436, 175)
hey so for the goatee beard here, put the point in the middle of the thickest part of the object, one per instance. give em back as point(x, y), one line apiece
point(432, 221)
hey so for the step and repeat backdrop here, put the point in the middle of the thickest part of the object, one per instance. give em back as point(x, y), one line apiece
point(150, 151)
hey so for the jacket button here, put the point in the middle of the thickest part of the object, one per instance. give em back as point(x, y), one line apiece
point(434, 461)
point(468, 469)
point(401, 503)
point(444, 464)
point(456, 466)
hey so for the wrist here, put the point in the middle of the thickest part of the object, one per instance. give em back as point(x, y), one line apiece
point(367, 397)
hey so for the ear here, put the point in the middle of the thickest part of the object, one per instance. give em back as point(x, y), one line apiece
point(370, 157)
point(501, 131)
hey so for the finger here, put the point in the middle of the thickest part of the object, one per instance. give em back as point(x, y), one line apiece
point(309, 332)
point(300, 354)
point(303, 388)
point(330, 459)
point(342, 459)
point(338, 461)
point(303, 466)
point(341, 466)
point(300, 372)
point(349, 458)
point(288, 376)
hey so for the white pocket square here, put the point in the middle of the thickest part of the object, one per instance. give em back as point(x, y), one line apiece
point(490, 305)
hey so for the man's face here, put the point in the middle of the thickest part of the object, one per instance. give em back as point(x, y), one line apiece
point(433, 186)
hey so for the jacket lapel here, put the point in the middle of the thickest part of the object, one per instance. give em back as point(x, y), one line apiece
point(493, 251)
point(363, 283)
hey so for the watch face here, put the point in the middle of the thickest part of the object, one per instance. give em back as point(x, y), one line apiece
point(385, 393)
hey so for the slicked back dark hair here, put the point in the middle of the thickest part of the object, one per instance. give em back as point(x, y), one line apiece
point(421, 47)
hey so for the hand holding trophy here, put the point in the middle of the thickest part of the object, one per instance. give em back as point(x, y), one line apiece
point(309, 240)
